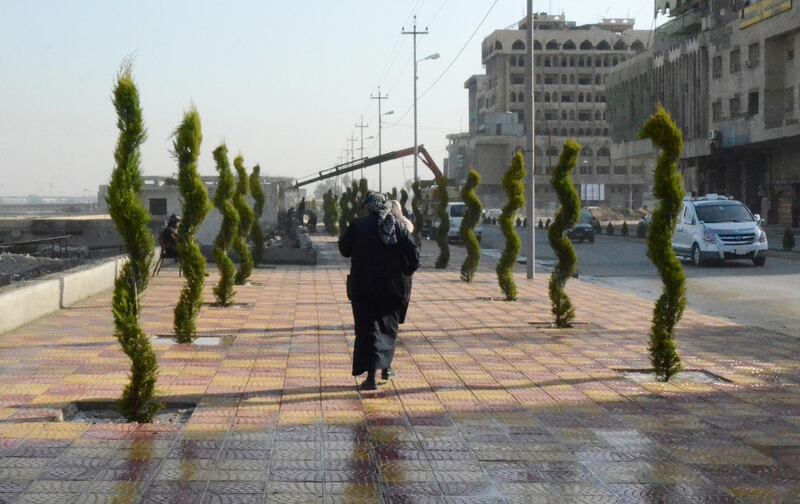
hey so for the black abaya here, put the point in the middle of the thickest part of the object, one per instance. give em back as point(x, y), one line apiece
point(376, 333)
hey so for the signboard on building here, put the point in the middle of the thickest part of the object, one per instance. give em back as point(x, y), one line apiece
point(759, 10)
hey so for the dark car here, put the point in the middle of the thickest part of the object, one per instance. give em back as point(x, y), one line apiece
point(583, 230)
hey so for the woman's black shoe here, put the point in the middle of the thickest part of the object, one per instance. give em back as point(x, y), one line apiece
point(368, 384)
point(387, 374)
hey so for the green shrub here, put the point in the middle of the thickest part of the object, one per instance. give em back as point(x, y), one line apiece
point(610, 229)
point(194, 198)
point(228, 230)
point(246, 218)
point(259, 201)
point(624, 230)
point(667, 189)
point(344, 205)
point(788, 239)
point(132, 222)
point(444, 224)
point(403, 201)
point(416, 201)
point(566, 217)
point(331, 213)
point(641, 230)
point(467, 230)
point(513, 184)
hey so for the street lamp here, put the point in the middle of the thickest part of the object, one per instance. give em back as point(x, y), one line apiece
point(416, 61)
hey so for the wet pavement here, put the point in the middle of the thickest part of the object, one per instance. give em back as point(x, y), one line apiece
point(485, 406)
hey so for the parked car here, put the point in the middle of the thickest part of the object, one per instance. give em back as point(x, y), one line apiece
point(584, 229)
point(715, 227)
point(456, 211)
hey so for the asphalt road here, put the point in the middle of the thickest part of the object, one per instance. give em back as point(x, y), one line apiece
point(767, 296)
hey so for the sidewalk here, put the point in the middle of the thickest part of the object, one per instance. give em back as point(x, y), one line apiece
point(485, 408)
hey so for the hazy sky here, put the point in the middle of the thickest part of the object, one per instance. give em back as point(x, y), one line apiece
point(284, 82)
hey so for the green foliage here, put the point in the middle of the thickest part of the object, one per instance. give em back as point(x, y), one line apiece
point(513, 184)
point(467, 230)
point(444, 224)
point(131, 220)
point(229, 229)
point(259, 201)
point(667, 189)
point(566, 217)
point(246, 219)
point(416, 201)
point(344, 206)
point(788, 239)
point(330, 210)
point(403, 201)
point(624, 231)
point(194, 197)
point(610, 229)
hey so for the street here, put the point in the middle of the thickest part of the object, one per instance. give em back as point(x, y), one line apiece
point(767, 296)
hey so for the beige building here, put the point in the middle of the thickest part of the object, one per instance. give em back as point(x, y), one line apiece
point(728, 74)
point(571, 65)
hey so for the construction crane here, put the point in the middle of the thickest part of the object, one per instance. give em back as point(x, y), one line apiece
point(358, 164)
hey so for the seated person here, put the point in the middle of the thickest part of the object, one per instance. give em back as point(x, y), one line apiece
point(168, 238)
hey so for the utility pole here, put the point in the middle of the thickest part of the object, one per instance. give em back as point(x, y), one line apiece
point(351, 140)
point(530, 161)
point(414, 33)
point(380, 140)
point(361, 126)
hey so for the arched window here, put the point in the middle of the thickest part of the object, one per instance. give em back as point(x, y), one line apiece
point(546, 96)
point(498, 46)
point(547, 61)
point(620, 45)
point(586, 45)
point(588, 97)
point(521, 97)
point(521, 60)
point(569, 45)
point(518, 45)
point(637, 46)
point(552, 45)
point(603, 46)
point(587, 152)
point(563, 79)
point(572, 61)
point(603, 151)
point(513, 97)
point(563, 115)
point(580, 97)
point(563, 132)
point(537, 46)
point(615, 61)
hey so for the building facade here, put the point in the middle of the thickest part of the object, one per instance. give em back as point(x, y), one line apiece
point(727, 73)
point(571, 65)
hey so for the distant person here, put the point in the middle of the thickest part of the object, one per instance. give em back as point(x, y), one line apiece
point(382, 253)
point(168, 238)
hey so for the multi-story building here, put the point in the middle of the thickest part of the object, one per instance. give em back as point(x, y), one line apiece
point(571, 64)
point(727, 73)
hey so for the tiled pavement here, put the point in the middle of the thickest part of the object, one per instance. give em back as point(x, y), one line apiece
point(485, 408)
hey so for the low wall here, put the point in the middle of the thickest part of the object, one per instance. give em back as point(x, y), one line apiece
point(25, 302)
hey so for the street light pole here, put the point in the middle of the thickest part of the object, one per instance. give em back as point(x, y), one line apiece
point(380, 128)
point(414, 33)
point(361, 126)
point(530, 189)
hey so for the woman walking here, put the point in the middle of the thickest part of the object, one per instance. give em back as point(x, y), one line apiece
point(397, 211)
point(382, 253)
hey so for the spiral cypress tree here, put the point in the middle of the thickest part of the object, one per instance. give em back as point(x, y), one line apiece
point(259, 201)
point(344, 202)
point(667, 189)
point(330, 212)
point(565, 218)
point(246, 218)
point(468, 223)
point(416, 201)
point(194, 197)
point(515, 190)
point(444, 224)
point(132, 222)
point(229, 229)
point(403, 201)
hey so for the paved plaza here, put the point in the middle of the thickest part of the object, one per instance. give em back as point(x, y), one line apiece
point(486, 407)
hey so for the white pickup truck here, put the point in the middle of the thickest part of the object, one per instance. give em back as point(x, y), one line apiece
point(456, 211)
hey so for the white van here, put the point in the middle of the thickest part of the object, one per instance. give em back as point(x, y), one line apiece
point(717, 228)
point(456, 211)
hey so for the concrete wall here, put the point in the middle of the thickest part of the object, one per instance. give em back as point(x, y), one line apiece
point(27, 301)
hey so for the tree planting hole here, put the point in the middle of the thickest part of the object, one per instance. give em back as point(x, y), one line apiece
point(552, 325)
point(106, 412)
point(685, 376)
point(232, 306)
point(201, 340)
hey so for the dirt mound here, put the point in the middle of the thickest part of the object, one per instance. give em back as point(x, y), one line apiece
point(20, 267)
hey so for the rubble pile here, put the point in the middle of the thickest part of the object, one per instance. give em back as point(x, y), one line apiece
point(21, 267)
